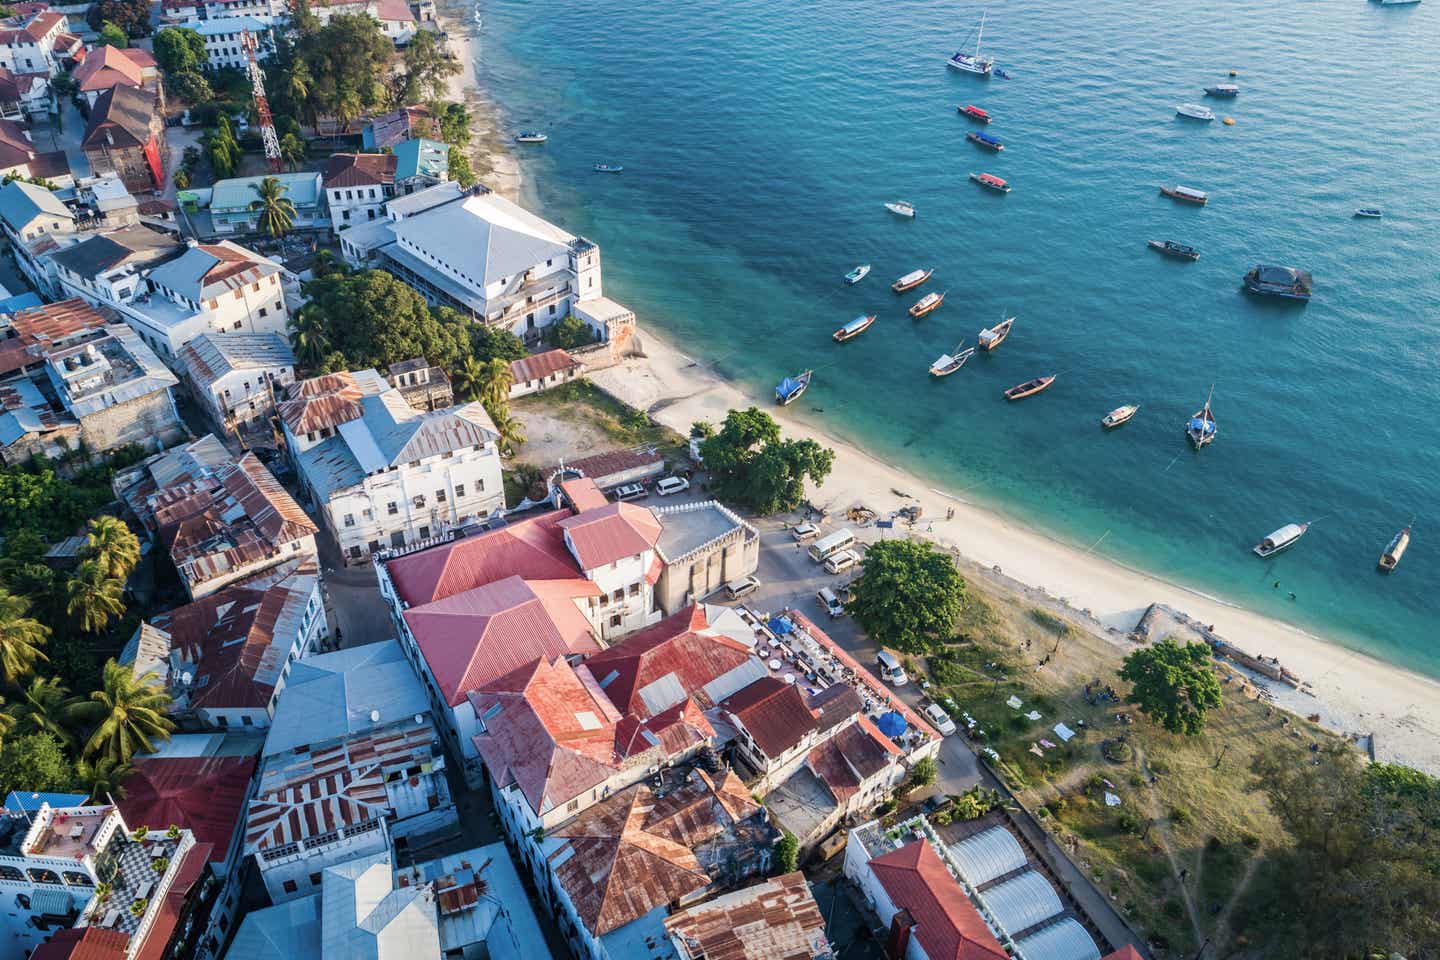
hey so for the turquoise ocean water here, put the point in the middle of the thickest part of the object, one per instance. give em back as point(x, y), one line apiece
point(760, 138)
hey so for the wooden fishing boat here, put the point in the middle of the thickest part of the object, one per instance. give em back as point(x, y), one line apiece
point(1172, 249)
point(994, 336)
point(911, 280)
point(927, 304)
point(1029, 388)
point(1281, 539)
point(984, 140)
point(1390, 559)
point(975, 113)
point(1119, 415)
point(948, 363)
point(991, 182)
point(1370, 213)
point(1187, 194)
point(787, 391)
point(1201, 427)
point(854, 328)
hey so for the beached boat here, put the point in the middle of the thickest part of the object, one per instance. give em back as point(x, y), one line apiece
point(1188, 194)
point(1390, 559)
point(911, 280)
point(975, 113)
point(991, 182)
point(608, 168)
point(948, 363)
point(1193, 111)
point(1370, 213)
point(1201, 428)
point(973, 62)
point(994, 336)
point(1029, 388)
point(1280, 539)
point(858, 274)
point(531, 136)
point(1172, 249)
point(901, 208)
point(1222, 90)
point(985, 140)
point(854, 328)
point(1289, 283)
point(927, 304)
point(787, 391)
point(1119, 415)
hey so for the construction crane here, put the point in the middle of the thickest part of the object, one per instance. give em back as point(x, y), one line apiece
point(262, 106)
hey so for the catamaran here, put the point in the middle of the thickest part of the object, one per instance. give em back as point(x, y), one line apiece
point(1200, 428)
point(973, 62)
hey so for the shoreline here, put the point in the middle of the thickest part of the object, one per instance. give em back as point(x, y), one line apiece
point(1355, 694)
point(492, 160)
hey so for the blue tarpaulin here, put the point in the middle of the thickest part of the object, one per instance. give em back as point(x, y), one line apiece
point(885, 524)
point(891, 724)
point(781, 626)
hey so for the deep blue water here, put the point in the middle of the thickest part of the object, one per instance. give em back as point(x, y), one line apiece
point(760, 138)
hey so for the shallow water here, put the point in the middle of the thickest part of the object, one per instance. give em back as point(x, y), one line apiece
point(760, 138)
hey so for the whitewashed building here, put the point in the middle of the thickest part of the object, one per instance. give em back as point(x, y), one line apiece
point(384, 474)
point(225, 40)
point(237, 377)
point(357, 185)
point(32, 44)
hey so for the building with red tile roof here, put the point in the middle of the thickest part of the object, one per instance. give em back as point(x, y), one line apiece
point(533, 549)
point(109, 66)
point(581, 494)
point(357, 185)
point(607, 534)
point(206, 794)
point(926, 902)
point(540, 371)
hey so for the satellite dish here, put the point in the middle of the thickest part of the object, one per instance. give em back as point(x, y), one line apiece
point(419, 718)
point(374, 716)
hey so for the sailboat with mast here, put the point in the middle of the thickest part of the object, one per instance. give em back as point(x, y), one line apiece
point(974, 63)
point(1200, 428)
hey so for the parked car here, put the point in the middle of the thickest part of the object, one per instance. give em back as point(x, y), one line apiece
point(804, 531)
point(745, 586)
point(631, 491)
point(842, 561)
point(671, 485)
point(890, 669)
point(939, 719)
point(830, 602)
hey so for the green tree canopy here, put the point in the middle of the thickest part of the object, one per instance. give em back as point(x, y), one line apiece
point(1172, 684)
point(570, 332)
point(21, 637)
point(754, 466)
point(347, 62)
point(459, 169)
point(787, 853)
point(35, 762)
point(47, 707)
point(111, 542)
point(131, 16)
point(277, 211)
point(370, 319)
point(95, 597)
point(428, 68)
point(486, 342)
point(180, 49)
point(129, 713)
point(113, 35)
point(908, 595)
point(39, 500)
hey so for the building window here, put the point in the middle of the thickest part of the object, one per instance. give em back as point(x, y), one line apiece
point(368, 513)
point(392, 509)
point(424, 533)
point(223, 721)
point(459, 491)
point(572, 806)
point(634, 589)
point(289, 886)
point(615, 620)
point(315, 879)
point(246, 721)
point(264, 312)
point(618, 595)
point(440, 496)
point(349, 519)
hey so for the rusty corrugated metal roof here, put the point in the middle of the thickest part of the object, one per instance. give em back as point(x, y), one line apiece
point(776, 919)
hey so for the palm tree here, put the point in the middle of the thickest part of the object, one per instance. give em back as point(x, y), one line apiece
point(307, 337)
point(21, 637)
point(469, 378)
point(292, 150)
point(104, 777)
point(95, 597)
point(299, 84)
point(49, 708)
point(512, 431)
point(113, 545)
point(129, 713)
point(277, 212)
point(7, 722)
point(497, 381)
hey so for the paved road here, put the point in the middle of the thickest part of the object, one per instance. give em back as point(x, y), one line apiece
point(352, 598)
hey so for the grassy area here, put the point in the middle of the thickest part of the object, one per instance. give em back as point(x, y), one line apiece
point(581, 402)
point(1177, 852)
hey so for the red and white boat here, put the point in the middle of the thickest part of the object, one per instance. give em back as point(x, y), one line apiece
point(975, 113)
point(991, 182)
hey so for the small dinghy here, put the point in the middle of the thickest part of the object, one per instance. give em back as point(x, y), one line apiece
point(858, 274)
point(1369, 213)
point(531, 136)
point(608, 168)
point(1172, 249)
point(948, 363)
point(1119, 415)
point(1029, 388)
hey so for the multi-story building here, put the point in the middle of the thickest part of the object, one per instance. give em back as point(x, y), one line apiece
point(767, 920)
point(424, 387)
point(225, 40)
point(32, 216)
point(384, 474)
point(98, 383)
point(220, 519)
point(420, 163)
point(106, 268)
point(126, 136)
point(20, 160)
point(237, 377)
point(492, 260)
point(24, 96)
point(185, 11)
point(357, 186)
point(35, 43)
point(108, 66)
point(232, 213)
point(395, 17)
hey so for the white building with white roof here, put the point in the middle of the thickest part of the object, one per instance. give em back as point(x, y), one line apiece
point(237, 377)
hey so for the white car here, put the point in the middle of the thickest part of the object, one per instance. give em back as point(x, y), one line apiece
point(631, 491)
point(842, 561)
point(939, 719)
point(804, 531)
point(672, 485)
point(743, 587)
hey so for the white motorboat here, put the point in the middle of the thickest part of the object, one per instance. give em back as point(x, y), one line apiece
point(974, 62)
point(1280, 539)
point(1195, 112)
point(858, 274)
point(1119, 416)
point(901, 208)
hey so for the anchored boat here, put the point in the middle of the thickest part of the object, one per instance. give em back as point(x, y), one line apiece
point(994, 336)
point(901, 208)
point(973, 62)
point(1119, 415)
point(853, 329)
point(787, 391)
point(1029, 388)
point(1289, 283)
point(948, 363)
point(1194, 111)
point(927, 304)
point(608, 168)
point(1369, 213)
point(1222, 90)
point(1280, 539)
point(858, 274)
point(911, 280)
point(1172, 249)
point(975, 113)
point(531, 136)
point(991, 182)
point(1187, 194)
point(983, 139)
point(1390, 559)
point(1200, 428)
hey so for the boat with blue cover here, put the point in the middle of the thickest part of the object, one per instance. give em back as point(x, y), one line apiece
point(787, 391)
point(1201, 428)
point(853, 329)
point(1288, 283)
point(984, 140)
point(1172, 249)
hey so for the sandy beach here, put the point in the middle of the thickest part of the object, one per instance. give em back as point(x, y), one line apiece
point(491, 156)
point(1352, 693)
